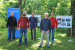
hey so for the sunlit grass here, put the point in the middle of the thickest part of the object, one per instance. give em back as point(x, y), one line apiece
point(62, 35)
point(60, 44)
point(58, 41)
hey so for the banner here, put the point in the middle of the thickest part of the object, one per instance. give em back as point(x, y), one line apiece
point(38, 18)
point(16, 12)
point(64, 21)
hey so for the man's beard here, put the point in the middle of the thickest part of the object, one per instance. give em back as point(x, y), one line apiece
point(24, 14)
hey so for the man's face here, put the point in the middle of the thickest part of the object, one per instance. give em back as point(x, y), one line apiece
point(46, 16)
point(51, 14)
point(24, 13)
point(11, 14)
point(32, 14)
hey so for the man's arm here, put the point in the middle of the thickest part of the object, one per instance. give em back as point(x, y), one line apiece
point(28, 22)
point(49, 24)
point(41, 27)
point(56, 22)
point(36, 22)
point(29, 19)
point(7, 22)
point(15, 22)
point(18, 22)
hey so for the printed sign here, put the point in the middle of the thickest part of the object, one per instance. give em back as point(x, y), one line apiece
point(64, 21)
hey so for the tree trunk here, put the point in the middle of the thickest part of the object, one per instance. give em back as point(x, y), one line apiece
point(72, 12)
point(21, 6)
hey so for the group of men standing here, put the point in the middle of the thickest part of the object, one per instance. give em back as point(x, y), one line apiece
point(46, 26)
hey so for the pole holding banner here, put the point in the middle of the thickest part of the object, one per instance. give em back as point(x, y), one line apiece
point(39, 37)
point(70, 36)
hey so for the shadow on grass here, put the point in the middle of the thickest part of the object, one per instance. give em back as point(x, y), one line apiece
point(60, 44)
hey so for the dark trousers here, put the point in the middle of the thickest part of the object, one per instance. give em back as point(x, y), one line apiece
point(11, 29)
point(33, 28)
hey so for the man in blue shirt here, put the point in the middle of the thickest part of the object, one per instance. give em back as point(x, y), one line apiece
point(33, 25)
point(45, 26)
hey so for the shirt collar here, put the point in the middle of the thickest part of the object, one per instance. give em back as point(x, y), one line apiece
point(11, 16)
point(44, 18)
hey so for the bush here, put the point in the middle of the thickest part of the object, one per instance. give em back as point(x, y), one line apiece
point(2, 23)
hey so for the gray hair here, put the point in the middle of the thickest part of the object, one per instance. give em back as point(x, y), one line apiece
point(45, 13)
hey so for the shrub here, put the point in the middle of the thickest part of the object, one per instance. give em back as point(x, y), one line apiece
point(2, 23)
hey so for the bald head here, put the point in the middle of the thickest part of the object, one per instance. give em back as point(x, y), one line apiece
point(12, 13)
point(46, 15)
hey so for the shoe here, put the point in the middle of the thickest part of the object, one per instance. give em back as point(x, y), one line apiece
point(31, 39)
point(14, 40)
point(19, 45)
point(9, 40)
point(40, 46)
point(35, 40)
point(25, 43)
point(53, 41)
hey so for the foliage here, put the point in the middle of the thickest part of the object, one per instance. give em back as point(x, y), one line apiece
point(2, 22)
point(58, 7)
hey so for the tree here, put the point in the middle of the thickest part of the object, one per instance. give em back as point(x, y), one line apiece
point(21, 5)
point(72, 12)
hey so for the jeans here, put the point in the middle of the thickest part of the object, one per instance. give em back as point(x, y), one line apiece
point(25, 35)
point(33, 28)
point(42, 36)
point(53, 30)
point(11, 29)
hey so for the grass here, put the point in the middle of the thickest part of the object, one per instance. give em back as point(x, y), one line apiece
point(61, 44)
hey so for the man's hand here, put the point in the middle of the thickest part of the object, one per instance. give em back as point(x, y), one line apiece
point(41, 30)
point(18, 28)
point(48, 30)
point(27, 28)
point(55, 27)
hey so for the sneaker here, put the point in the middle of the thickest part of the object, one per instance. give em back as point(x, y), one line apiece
point(53, 41)
point(19, 45)
point(9, 40)
point(25, 43)
point(35, 40)
point(31, 39)
point(40, 46)
point(14, 40)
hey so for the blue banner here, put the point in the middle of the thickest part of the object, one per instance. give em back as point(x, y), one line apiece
point(16, 12)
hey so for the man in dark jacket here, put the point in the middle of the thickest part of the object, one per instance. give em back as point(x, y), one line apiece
point(11, 25)
point(45, 26)
point(33, 25)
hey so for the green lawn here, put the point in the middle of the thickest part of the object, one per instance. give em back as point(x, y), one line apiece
point(61, 44)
